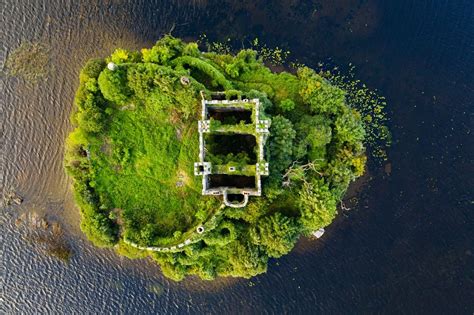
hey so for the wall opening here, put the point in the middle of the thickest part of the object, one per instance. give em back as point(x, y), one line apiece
point(230, 116)
point(235, 181)
point(238, 198)
point(221, 145)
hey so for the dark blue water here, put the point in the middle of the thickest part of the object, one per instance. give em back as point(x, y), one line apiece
point(407, 247)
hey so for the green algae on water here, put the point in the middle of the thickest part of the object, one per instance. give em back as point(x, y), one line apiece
point(30, 61)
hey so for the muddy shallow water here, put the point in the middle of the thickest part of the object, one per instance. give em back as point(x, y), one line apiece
point(405, 247)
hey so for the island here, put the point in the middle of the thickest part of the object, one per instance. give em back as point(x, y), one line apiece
point(209, 163)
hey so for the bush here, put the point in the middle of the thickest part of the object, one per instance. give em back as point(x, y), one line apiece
point(317, 205)
point(213, 76)
point(280, 144)
point(319, 94)
point(164, 50)
point(99, 229)
point(92, 69)
point(287, 105)
point(277, 233)
point(313, 134)
point(113, 85)
point(222, 235)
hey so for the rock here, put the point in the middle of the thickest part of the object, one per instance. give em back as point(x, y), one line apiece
point(111, 66)
point(185, 80)
point(179, 134)
point(44, 224)
point(128, 107)
point(56, 228)
point(11, 198)
point(17, 200)
point(318, 233)
point(388, 169)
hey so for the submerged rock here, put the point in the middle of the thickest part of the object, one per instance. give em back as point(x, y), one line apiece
point(11, 198)
point(46, 235)
point(17, 200)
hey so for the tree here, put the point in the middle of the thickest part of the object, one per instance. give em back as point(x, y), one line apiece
point(192, 50)
point(345, 167)
point(141, 78)
point(349, 127)
point(265, 103)
point(314, 133)
point(241, 63)
point(280, 144)
point(98, 227)
point(92, 69)
point(276, 233)
point(169, 266)
point(222, 235)
point(246, 260)
point(119, 56)
point(317, 205)
point(321, 96)
point(113, 85)
point(90, 104)
point(164, 50)
point(287, 105)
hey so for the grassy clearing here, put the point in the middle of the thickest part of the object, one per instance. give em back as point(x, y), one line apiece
point(148, 171)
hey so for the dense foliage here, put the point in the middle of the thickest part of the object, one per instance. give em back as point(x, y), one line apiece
point(135, 142)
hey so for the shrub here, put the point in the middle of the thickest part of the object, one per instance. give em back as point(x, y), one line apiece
point(113, 85)
point(287, 105)
point(280, 144)
point(277, 233)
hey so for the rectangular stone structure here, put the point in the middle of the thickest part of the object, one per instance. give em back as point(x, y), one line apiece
point(231, 121)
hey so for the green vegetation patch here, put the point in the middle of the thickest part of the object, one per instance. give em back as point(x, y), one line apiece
point(30, 61)
point(132, 153)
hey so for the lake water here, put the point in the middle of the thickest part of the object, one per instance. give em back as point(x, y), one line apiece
point(406, 248)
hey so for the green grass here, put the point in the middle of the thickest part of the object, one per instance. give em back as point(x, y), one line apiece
point(247, 170)
point(146, 170)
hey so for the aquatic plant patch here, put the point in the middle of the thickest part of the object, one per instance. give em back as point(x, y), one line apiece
point(29, 61)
